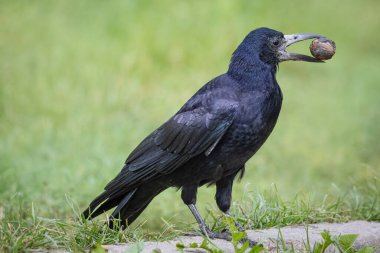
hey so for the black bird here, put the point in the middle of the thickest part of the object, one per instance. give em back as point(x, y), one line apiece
point(209, 140)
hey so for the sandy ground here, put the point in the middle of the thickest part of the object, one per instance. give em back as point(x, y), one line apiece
point(369, 235)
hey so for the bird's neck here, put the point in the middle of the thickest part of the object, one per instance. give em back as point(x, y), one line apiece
point(249, 70)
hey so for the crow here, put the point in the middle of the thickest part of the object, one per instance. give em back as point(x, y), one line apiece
point(209, 140)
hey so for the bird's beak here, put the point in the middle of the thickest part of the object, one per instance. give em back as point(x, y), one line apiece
point(293, 38)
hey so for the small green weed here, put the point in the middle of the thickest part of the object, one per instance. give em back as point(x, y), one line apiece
point(136, 247)
point(238, 236)
point(206, 244)
point(344, 243)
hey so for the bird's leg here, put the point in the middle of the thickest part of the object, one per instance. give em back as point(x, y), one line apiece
point(237, 224)
point(223, 200)
point(241, 229)
point(188, 195)
point(205, 229)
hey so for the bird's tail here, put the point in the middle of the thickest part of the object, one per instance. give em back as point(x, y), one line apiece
point(128, 207)
point(101, 204)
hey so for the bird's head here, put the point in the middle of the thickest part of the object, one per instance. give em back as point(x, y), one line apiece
point(269, 46)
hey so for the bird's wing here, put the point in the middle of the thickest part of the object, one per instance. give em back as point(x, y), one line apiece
point(185, 135)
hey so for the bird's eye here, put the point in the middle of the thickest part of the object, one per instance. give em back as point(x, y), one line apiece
point(276, 42)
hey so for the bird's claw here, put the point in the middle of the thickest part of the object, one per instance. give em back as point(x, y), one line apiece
point(225, 234)
point(239, 227)
point(251, 243)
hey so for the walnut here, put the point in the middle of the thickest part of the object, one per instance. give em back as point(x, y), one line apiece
point(322, 48)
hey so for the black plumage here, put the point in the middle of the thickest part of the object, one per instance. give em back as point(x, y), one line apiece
point(209, 140)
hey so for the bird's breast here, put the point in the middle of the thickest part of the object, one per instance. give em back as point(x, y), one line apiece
point(254, 122)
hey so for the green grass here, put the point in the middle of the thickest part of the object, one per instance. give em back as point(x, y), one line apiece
point(82, 83)
point(22, 228)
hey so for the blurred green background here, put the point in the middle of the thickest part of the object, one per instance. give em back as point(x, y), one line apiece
point(83, 82)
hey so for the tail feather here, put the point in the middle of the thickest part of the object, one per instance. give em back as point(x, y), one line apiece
point(128, 206)
point(124, 202)
point(105, 206)
point(89, 212)
point(134, 216)
point(105, 202)
point(135, 202)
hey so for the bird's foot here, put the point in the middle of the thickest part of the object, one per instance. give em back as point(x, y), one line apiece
point(251, 243)
point(239, 227)
point(224, 235)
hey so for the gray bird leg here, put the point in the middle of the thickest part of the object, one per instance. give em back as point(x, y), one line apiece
point(237, 224)
point(241, 229)
point(204, 229)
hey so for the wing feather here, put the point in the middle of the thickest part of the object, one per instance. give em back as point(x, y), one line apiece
point(184, 136)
